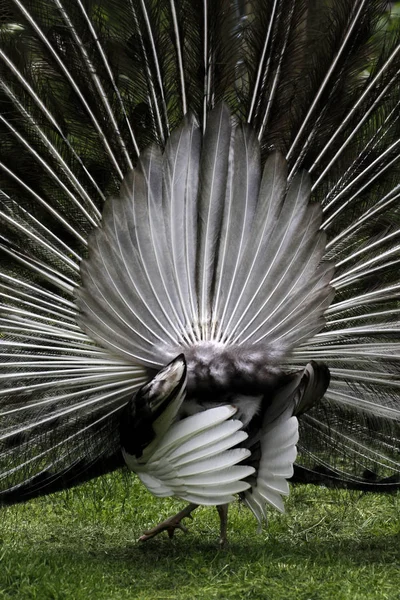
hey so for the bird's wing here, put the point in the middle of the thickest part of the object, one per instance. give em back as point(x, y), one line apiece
point(194, 458)
point(274, 444)
point(278, 453)
point(197, 460)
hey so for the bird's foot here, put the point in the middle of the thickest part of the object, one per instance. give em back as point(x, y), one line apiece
point(170, 525)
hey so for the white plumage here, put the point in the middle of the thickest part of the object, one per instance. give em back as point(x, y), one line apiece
point(195, 461)
point(278, 448)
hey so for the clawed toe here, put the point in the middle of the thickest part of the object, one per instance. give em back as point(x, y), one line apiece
point(170, 525)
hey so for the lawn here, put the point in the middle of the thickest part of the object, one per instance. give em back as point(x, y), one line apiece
point(81, 545)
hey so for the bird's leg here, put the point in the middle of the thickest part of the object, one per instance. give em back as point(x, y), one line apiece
point(171, 524)
point(223, 517)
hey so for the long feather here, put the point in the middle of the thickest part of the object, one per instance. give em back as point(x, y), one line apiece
point(213, 178)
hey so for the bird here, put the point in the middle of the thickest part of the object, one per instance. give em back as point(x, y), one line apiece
point(199, 248)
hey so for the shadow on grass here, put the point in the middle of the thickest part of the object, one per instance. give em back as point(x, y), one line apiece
point(156, 554)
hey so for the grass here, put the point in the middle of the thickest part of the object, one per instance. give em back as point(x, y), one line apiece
point(81, 545)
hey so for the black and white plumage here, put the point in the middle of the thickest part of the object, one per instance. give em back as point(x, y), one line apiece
point(247, 158)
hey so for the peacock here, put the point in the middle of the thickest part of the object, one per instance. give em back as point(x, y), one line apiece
point(199, 265)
